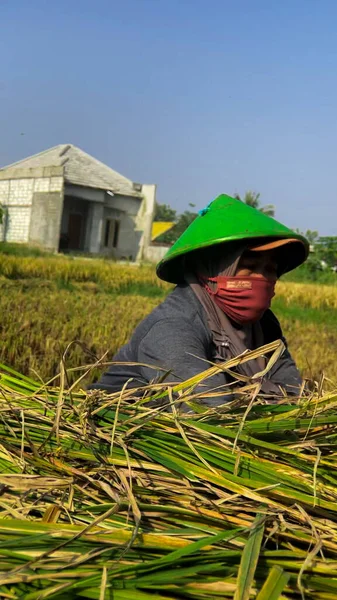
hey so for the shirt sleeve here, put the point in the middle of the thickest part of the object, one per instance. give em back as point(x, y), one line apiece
point(285, 374)
point(174, 346)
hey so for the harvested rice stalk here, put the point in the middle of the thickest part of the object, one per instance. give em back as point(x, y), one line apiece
point(125, 502)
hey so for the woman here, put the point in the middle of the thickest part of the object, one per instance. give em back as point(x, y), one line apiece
point(225, 266)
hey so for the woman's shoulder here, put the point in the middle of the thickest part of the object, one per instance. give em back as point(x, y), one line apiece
point(181, 303)
point(181, 309)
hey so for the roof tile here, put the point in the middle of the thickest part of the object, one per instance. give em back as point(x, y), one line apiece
point(79, 169)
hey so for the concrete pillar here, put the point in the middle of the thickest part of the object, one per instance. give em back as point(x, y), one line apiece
point(45, 219)
point(149, 194)
point(95, 235)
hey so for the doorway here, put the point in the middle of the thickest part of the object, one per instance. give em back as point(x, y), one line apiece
point(75, 231)
point(74, 225)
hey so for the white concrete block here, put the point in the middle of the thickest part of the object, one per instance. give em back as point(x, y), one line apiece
point(56, 184)
point(21, 185)
point(42, 184)
point(20, 191)
point(18, 224)
point(4, 190)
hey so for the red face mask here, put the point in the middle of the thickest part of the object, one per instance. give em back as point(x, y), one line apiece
point(243, 299)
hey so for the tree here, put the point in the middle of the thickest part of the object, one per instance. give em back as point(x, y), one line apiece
point(311, 236)
point(164, 212)
point(323, 251)
point(253, 199)
point(327, 247)
point(1, 214)
point(182, 222)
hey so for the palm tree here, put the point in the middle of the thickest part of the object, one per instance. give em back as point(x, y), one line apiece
point(253, 199)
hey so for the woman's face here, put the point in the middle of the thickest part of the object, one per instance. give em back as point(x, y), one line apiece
point(257, 264)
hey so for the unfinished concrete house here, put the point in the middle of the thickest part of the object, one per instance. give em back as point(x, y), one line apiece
point(65, 200)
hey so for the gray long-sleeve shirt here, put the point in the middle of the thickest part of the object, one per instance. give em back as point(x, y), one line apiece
point(175, 337)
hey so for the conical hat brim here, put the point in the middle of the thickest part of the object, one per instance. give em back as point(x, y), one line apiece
point(227, 220)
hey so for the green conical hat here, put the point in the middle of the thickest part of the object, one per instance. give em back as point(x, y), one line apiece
point(224, 220)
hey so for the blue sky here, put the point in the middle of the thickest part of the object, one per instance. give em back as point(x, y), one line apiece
point(199, 96)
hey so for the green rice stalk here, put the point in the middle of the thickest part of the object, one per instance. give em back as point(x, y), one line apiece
point(103, 497)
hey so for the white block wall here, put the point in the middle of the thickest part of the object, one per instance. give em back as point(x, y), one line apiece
point(18, 224)
point(155, 253)
point(4, 192)
point(16, 196)
point(20, 192)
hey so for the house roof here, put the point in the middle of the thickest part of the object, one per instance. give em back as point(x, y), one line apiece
point(79, 169)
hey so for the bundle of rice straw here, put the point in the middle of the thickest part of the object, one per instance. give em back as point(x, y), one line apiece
point(103, 497)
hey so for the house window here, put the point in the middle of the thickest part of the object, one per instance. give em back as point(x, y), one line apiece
point(111, 232)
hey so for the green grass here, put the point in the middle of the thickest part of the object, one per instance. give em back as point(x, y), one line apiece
point(12, 249)
point(304, 274)
point(326, 317)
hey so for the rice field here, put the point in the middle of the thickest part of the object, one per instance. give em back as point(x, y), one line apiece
point(47, 303)
point(102, 497)
point(107, 275)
